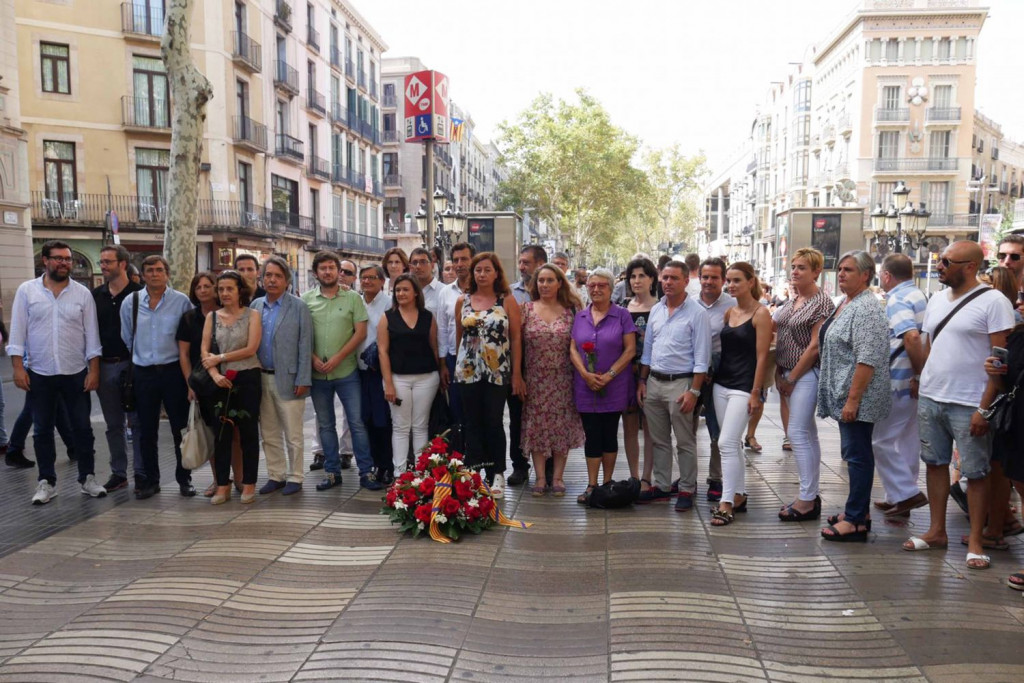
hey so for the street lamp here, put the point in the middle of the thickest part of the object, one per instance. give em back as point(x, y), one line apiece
point(901, 226)
point(447, 224)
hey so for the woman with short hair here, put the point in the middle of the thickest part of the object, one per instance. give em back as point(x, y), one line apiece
point(395, 262)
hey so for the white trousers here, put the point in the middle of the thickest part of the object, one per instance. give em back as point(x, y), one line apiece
point(803, 434)
point(898, 450)
point(410, 419)
point(281, 427)
point(731, 411)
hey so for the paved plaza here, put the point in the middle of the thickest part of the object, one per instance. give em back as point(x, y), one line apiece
point(318, 586)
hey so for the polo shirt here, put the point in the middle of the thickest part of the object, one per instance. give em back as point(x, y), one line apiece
point(334, 323)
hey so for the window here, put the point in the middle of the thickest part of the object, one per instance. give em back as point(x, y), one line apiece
point(889, 144)
point(373, 221)
point(313, 147)
point(152, 106)
point(284, 197)
point(147, 16)
point(938, 197)
point(943, 97)
point(59, 170)
point(939, 144)
point(245, 186)
point(389, 90)
point(390, 164)
point(242, 102)
point(310, 75)
point(240, 23)
point(883, 194)
point(151, 167)
point(944, 45)
point(314, 207)
point(891, 97)
point(892, 50)
point(350, 215)
point(56, 62)
point(362, 218)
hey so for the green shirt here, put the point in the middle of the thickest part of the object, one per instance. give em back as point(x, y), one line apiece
point(334, 323)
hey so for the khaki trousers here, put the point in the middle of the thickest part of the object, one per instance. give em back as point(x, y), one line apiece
point(281, 425)
point(665, 419)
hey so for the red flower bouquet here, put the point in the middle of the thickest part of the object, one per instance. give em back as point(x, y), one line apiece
point(589, 350)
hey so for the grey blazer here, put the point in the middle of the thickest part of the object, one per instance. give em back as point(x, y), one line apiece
point(292, 344)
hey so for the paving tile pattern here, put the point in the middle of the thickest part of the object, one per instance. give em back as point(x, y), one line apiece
point(319, 586)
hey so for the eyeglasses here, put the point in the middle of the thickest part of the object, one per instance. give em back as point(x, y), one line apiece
point(947, 262)
point(107, 262)
point(59, 259)
point(1012, 257)
point(348, 273)
point(369, 277)
point(419, 262)
point(597, 285)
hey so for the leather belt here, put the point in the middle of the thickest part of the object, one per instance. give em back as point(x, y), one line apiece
point(112, 359)
point(266, 372)
point(662, 377)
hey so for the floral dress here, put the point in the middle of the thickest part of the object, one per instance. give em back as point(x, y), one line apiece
point(551, 423)
point(484, 354)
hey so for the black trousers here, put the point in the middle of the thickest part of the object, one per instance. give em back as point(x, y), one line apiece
point(157, 385)
point(483, 405)
point(246, 395)
point(377, 420)
point(515, 429)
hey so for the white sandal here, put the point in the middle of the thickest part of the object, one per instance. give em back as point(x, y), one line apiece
point(921, 544)
point(984, 558)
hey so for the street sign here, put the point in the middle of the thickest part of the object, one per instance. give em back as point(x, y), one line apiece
point(426, 106)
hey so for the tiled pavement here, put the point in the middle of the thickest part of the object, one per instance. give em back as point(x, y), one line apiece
point(318, 586)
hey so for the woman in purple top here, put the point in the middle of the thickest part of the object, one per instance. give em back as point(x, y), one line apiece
point(603, 346)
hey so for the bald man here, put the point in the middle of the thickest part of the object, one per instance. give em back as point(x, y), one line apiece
point(961, 325)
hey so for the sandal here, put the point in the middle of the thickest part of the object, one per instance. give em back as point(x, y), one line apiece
point(584, 498)
point(210, 490)
point(980, 561)
point(849, 537)
point(786, 445)
point(914, 544)
point(751, 444)
point(742, 507)
point(558, 490)
point(647, 483)
point(788, 514)
point(988, 542)
point(1012, 527)
point(1016, 581)
point(835, 519)
point(720, 517)
point(538, 491)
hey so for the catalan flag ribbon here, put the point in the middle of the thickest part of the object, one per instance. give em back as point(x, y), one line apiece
point(442, 489)
point(458, 128)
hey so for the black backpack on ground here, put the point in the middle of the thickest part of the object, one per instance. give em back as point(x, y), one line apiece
point(615, 494)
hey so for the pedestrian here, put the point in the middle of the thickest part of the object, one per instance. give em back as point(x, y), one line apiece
point(1010, 254)
point(676, 358)
point(462, 254)
point(410, 365)
point(235, 369)
point(551, 425)
point(395, 263)
point(602, 351)
point(489, 365)
point(4, 441)
point(115, 363)
point(854, 387)
point(376, 411)
point(797, 325)
point(580, 280)
point(420, 267)
point(286, 365)
point(55, 353)
point(739, 379)
point(157, 372)
point(641, 275)
point(248, 266)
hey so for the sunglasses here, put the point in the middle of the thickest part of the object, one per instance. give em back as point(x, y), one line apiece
point(1012, 257)
point(348, 273)
point(947, 262)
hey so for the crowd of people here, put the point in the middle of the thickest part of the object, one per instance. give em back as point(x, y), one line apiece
point(570, 354)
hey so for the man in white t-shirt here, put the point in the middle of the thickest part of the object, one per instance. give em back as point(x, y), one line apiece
point(955, 392)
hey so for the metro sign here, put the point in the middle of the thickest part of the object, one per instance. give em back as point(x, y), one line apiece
point(426, 106)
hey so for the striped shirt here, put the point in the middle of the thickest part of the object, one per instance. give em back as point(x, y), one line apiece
point(904, 307)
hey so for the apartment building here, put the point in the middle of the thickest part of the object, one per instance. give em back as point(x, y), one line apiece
point(291, 139)
point(887, 97)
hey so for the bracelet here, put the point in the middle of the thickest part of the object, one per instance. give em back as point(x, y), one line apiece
point(611, 373)
point(222, 358)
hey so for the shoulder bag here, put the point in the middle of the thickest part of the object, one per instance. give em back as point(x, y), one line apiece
point(200, 380)
point(127, 383)
point(196, 440)
point(1001, 409)
point(967, 299)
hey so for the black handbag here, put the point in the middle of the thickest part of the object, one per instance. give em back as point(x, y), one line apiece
point(1001, 418)
point(127, 383)
point(200, 381)
point(612, 495)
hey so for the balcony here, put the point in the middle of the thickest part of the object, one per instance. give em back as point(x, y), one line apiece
point(390, 137)
point(943, 114)
point(845, 123)
point(356, 180)
point(283, 16)
point(373, 90)
point(289, 148)
point(1004, 187)
point(292, 223)
point(286, 78)
point(352, 241)
point(318, 168)
point(887, 115)
point(246, 52)
point(148, 114)
point(250, 134)
point(336, 58)
point(378, 189)
point(316, 102)
point(350, 69)
point(142, 19)
point(313, 39)
point(339, 115)
point(960, 220)
point(339, 174)
point(390, 101)
point(361, 80)
point(393, 180)
point(911, 165)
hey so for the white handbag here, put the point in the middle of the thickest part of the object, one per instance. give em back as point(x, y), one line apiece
point(196, 441)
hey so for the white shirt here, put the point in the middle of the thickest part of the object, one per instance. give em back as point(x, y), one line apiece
point(716, 316)
point(955, 369)
point(450, 296)
point(693, 287)
point(54, 335)
point(374, 311)
point(432, 300)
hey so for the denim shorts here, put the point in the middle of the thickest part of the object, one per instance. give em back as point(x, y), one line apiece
point(942, 424)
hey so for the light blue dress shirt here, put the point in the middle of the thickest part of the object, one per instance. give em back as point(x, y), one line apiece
point(269, 320)
point(155, 342)
point(678, 343)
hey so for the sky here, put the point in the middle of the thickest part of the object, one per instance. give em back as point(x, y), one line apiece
point(667, 71)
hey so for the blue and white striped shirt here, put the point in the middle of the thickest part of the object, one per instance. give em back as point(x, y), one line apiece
point(905, 305)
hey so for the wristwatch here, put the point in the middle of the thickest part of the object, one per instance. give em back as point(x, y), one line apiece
point(611, 373)
point(695, 392)
point(986, 413)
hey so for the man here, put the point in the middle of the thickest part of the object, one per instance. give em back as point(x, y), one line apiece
point(955, 392)
point(339, 327)
point(249, 268)
point(675, 360)
point(716, 303)
point(157, 371)
point(561, 259)
point(895, 439)
point(461, 256)
point(581, 286)
point(1011, 255)
point(422, 269)
point(55, 352)
point(285, 353)
point(531, 257)
point(115, 362)
point(693, 263)
point(376, 412)
point(347, 274)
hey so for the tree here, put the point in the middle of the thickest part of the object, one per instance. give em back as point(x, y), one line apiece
point(570, 165)
point(190, 91)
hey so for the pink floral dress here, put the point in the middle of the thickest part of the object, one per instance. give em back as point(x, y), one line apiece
point(550, 420)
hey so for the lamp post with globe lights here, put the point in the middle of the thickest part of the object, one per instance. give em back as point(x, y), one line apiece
point(447, 224)
point(903, 227)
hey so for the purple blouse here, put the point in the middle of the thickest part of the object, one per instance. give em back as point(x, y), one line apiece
point(607, 339)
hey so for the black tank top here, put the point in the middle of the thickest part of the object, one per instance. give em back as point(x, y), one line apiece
point(739, 357)
point(410, 350)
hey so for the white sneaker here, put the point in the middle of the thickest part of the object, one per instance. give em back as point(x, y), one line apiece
point(498, 487)
point(91, 488)
point(45, 492)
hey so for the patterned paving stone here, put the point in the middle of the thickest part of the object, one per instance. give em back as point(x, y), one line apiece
point(978, 673)
point(801, 674)
point(118, 654)
point(308, 553)
point(662, 665)
point(485, 666)
point(381, 660)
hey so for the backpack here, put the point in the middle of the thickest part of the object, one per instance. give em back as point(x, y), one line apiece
point(615, 494)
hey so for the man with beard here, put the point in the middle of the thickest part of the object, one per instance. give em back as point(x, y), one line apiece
point(961, 324)
point(115, 362)
point(55, 352)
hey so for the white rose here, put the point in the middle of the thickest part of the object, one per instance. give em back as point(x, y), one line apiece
point(400, 505)
point(441, 519)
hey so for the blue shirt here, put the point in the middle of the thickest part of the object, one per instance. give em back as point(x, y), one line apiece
point(680, 343)
point(155, 342)
point(905, 305)
point(269, 320)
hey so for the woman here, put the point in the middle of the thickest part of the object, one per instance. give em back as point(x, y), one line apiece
point(603, 348)
point(237, 329)
point(796, 376)
point(855, 388)
point(739, 383)
point(407, 350)
point(551, 425)
point(202, 292)
point(1005, 281)
point(395, 263)
point(642, 277)
point(489, 363)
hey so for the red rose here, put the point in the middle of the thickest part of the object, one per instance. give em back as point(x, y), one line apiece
point(410, 496)
point(476, 481)
point(422, 461)
point(486, 505)
point(588, 347)
point(450, 507)
point(427, 487)
point(472, 513)
point(437, 445)
point(406, 477)
point(463, 490)
point(423, 513)
point(392, 497)
point(231, 374)
point(439, 472)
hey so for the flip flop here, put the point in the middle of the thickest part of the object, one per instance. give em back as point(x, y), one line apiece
point(988, 542)
point(984, 561)
point(921, 544)
point(1018, 584)
point(1013, 527)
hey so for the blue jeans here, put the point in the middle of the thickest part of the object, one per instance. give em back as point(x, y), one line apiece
point(707, 398)
point(348, 391)
point(46, 391)
point(855, 444)
point(3, 428)
point(23, 423)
